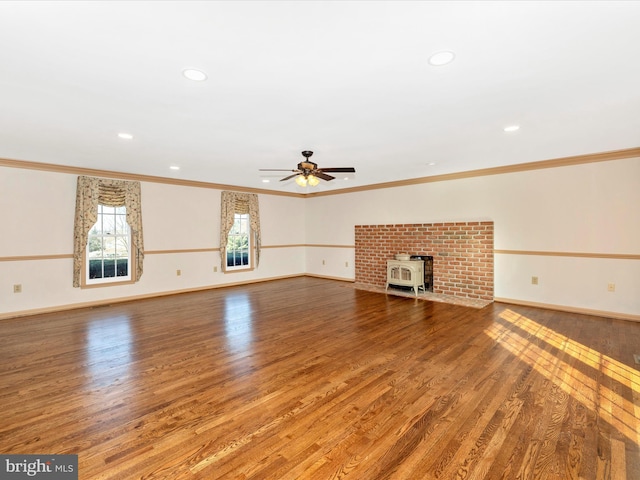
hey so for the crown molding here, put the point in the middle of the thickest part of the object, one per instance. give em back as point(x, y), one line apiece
point(520, 167)
point(51, 167)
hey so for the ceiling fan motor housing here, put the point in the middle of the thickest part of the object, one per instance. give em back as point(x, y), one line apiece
point(307, 167)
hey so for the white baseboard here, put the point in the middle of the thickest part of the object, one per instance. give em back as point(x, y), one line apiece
point(564, 308)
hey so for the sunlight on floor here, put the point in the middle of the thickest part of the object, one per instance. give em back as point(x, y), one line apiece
point(109, 349)
point(524, 340)
point(238, 321)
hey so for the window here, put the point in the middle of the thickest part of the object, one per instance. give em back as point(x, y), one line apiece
point(239, 231)
point(109, 247)
point(239, 244)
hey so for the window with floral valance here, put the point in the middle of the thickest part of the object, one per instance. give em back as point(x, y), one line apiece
point(232, 205)
point(93, 192)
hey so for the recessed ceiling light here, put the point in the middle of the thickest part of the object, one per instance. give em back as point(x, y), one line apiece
point(125, 136)
point(174, 167)
point(195, 75)
point(441, 58)
point(512, 128)
point(265, 180)
point(431, 164)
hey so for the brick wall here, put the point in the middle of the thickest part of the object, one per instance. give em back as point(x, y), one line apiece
point(462, 254)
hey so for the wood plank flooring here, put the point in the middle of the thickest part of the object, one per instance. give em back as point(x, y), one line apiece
point(308, 378)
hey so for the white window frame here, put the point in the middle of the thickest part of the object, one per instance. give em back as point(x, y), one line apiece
point(245, 228)
point(112, 227)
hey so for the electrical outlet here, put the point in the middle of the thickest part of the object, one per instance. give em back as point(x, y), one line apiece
point(611, 287)
point(636, 358)
point(178, 272)
point(346, 264)
point(17, 288)
point(323, 262)
point(534, 280)
point(215, 269)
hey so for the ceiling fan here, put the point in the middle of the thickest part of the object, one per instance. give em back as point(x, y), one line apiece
point(308, 172)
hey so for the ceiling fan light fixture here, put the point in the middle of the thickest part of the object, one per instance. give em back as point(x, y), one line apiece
point(301, 180)
point(313, 180)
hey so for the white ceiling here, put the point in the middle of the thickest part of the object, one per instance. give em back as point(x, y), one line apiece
point(348, 80)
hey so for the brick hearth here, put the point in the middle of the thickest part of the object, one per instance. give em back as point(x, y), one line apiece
point(462, 254)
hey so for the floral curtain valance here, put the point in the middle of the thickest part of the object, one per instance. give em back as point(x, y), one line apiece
point(92, 192)
point(232, 203)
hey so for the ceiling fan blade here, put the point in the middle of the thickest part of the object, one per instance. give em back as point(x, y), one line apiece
point(339, 169)
point(322, 175)
point(290, 176)
point(276, 170)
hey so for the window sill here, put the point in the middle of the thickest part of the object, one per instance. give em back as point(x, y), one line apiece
point(234, 270)
point(106, 284)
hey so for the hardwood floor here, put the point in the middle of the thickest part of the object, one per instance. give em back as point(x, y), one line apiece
point(309, 378)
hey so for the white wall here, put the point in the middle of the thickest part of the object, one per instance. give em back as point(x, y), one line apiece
point(37, 211)
point(590, 208)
